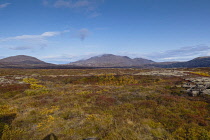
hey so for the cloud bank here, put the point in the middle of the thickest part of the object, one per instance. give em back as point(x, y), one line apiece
point(26, 37)
point(181, 54)
point(32, 42)
point(27, 42)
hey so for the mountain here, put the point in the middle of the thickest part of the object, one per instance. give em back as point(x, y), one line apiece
point(110, 60)
point(103, 61)
point(22, 61)
point(196, 62)
point(28, 62)
point(199, 62)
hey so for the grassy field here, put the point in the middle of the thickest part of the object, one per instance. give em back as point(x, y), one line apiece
point(110, 104)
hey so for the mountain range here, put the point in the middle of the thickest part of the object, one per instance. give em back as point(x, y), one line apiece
point(102, 61)
point(110, 60)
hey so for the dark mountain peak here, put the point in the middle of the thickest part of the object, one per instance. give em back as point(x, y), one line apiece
point(126, 57)
point(112, 56)
point(203, 57)
point(106, 55)
point(138, 58)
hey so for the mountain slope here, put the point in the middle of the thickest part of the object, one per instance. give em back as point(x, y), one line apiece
point(199, 62)
point(110, 60)
point(22, 59)
point(196, 62)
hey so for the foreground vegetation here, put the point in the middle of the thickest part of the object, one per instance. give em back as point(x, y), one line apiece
point(110, 104)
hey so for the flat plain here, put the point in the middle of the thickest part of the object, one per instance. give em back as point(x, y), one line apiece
point(108, 104)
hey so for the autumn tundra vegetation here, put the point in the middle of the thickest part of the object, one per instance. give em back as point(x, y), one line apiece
point(107, 104)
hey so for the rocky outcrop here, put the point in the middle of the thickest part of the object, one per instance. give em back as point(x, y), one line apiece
point(165, 72)
point(197, 86)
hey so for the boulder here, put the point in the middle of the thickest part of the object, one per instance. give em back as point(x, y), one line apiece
point(195, 93)
point(206, 91)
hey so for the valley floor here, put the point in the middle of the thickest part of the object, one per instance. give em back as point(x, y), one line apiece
point(109, 104)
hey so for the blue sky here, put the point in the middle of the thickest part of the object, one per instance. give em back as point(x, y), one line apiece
point(62, 31)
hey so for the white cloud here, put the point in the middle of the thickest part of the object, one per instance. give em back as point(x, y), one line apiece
point(86, 4)
point(21, 48)
point(4, 5)
point(31, 37)
point(88, 7)
point(180, 54)
point(29, 42)
point(50, 34)
point(71, 4)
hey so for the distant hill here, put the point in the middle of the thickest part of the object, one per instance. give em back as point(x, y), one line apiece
point(21, 59)
point(29, 62)
point(110, 60)
point(197, 62)
point(103, 61)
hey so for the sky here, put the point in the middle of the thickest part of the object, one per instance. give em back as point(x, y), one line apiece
point(63, 31)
